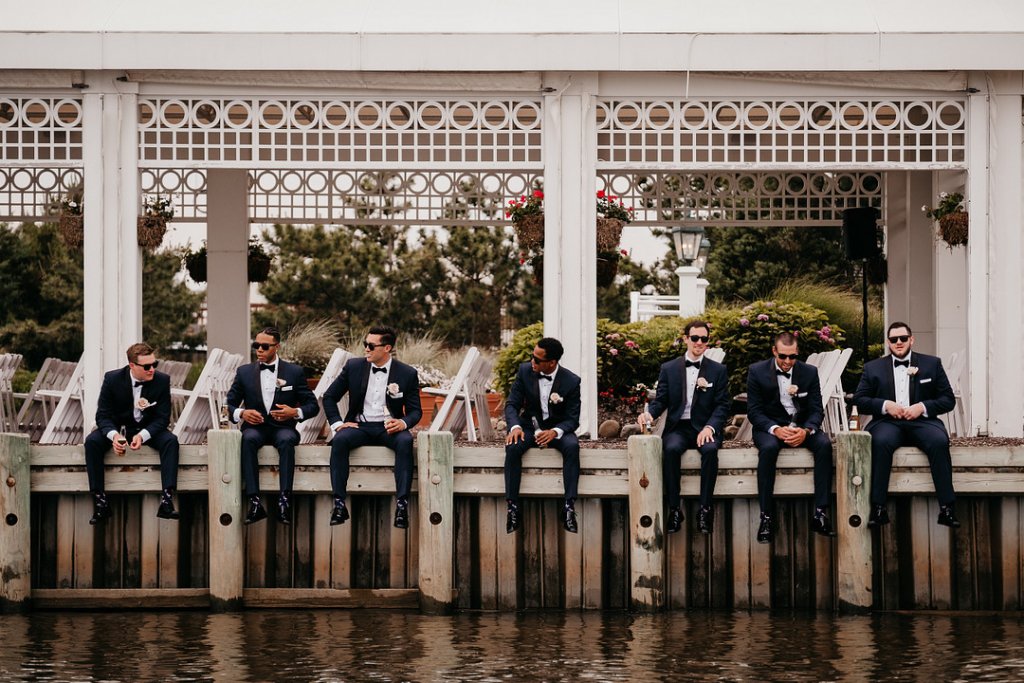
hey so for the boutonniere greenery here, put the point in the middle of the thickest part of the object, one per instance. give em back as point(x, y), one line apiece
point(703, 384)
point(555, 398)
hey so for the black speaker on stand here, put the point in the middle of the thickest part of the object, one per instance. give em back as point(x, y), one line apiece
point(860, 239)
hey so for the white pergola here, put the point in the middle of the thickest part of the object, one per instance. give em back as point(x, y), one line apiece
point(259, 112)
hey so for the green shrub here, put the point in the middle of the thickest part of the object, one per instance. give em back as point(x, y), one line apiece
point(515, 354)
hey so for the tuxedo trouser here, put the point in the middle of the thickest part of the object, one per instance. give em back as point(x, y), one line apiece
point(568, 446)
point(371, 434)
point(675, 441)
point(931, 437)
point(255, 437)
point(165, 443)
point(768, 447)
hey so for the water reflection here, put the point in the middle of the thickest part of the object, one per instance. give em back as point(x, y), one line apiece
point(548, 646)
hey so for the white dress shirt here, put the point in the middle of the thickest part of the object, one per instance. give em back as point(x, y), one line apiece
point(375, 407)
point(787, 401)
point(268, 389)
point(691, 384)
point(544, 386)
point(136, 413)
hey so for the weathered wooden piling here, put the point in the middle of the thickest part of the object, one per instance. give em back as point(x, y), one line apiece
point(15, 527)
point(435, 468)
point(853, 486)
point(227, 540)
point(646, 523)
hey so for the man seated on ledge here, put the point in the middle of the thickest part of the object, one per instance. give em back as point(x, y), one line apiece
point(905, 393)
point(383, 405)
point(134, 408)
point(543, 409)
point(785, 410)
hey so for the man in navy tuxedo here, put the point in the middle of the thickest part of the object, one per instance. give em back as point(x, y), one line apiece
point(694, 392)
point(542, 410)
point(134, 408)
point(905, 393)
point(784, 407)
point(269, 397)
point(384, 404)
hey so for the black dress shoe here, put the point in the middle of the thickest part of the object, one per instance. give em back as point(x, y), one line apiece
point(166, 509)
point(402, 515)
point(100, 510)
point(339, 515)
point(570, 520)
point(675, 520)
point(764, 529)
point(284, 510)
point(512, 520)
point(256, 512)
point(820, 523)
point(705, 518)
point(879, 516)
point(947, 517)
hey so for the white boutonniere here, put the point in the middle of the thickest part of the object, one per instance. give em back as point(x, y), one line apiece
point(393, 391)
point(911, 371)
point(793, 389)
point(144, 403)
point(555, 398)
point(703, 384)
point(280, 382)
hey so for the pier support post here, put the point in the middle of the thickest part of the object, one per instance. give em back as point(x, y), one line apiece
point(435, 466)
point(227, 538)
point(15, 528)
point(646, 523)
point(853, 550)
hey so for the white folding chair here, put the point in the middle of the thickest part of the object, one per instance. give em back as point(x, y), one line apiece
point(310, 429)
point(66, 423)
point(469, 386)
point(204, 405)
point(9, 363)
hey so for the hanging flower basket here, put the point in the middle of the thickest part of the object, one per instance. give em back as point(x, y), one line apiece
point(607, 268)
point(151, 230)
point(953, 228)
point(609, 232)
point(530, 231)
point(195, 264)
point(259, 266)
point(72, 230)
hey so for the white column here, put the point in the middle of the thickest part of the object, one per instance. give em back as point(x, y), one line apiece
point(692, 291)
point(1006, 255)
point(978, 255)
point(570, 239)
point(227, 243)
point(910, 250)
point(112, 289)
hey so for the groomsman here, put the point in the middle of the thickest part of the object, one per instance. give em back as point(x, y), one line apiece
point(905, 393)
point(269, 397)
point(134, 408)
point(784, 407)
point(694, 392)
point(543, 410)
point(384, 404)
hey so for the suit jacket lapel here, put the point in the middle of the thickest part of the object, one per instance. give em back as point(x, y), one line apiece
point(890, 377)
point(533, 382)
point(364, 383)
point(912, 382)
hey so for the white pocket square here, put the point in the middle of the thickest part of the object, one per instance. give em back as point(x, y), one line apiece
point(802, 394)
point(287, 388)
point(398, 395)
point(925, 381)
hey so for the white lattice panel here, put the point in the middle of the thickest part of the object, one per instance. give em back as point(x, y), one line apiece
point(921, 132)
point(40, 130)
point(186, 188)
point(33, 193)
point(325, 132)
point(738, 198)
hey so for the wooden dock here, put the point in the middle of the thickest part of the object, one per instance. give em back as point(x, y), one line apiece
point(456, 554)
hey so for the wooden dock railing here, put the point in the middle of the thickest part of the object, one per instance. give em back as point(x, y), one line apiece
point(456, 553)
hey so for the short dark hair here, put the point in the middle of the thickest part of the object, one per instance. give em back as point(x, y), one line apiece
point(893, 326)
point(786, 338)
point(387, 334)
point(553, 349)
point(271, 332)
point(695, 323)
point(138, 349)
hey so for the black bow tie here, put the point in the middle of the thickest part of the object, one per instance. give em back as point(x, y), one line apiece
point(139, 384)
point(264, 366)
point(378, 369)
point(693, 364)
point(901, 363)
point(782, 372)
point(543, 376)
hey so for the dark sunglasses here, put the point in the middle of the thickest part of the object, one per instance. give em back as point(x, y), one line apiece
point(787, 356)
point(699, 338)
point(902, 339)
point(539, 360)
point(148, 366)
point(371, 346)
point(262, 347)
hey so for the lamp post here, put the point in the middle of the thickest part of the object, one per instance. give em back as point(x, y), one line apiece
point(692, 249)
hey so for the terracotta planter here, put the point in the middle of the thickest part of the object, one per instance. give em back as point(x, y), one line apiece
point(72, 230)
point(427, 403)
point(151, 230)
point(494, 404)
